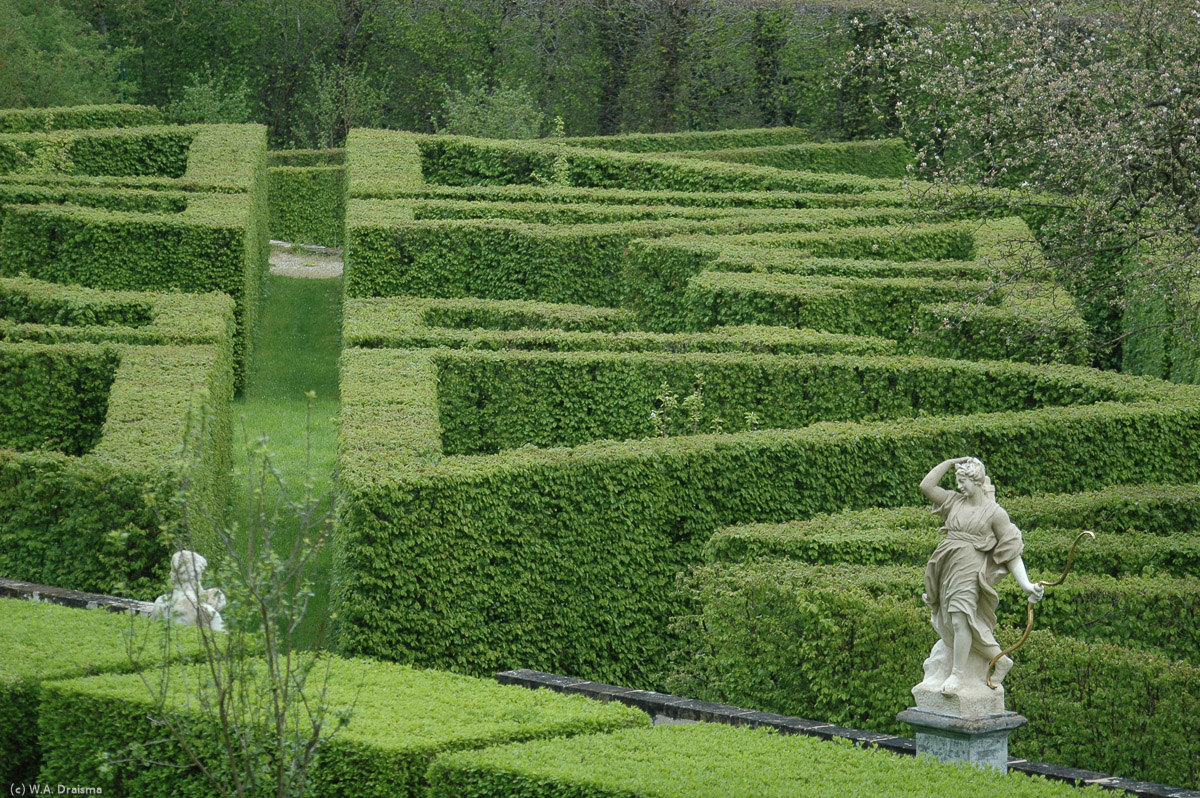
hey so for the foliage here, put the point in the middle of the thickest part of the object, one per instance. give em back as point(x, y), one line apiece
point(45, 642)
point(308, 204)
point(1093, 115)
point(210, 99)
point(52, 57)
point(627, 515)
point(807, 640)
point(401, 718)
point(91, 503)
point(501, 111)
point(412, 323)
point(211, 238)
point(714, 759)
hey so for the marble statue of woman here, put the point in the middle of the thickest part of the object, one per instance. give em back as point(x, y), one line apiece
point(981, 546)
point(188, 603)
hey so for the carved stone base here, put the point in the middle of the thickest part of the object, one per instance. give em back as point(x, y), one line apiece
point(973, 700)
point(981, 741)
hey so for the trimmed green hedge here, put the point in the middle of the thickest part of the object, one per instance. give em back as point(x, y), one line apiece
point(803, 640)
point(330, 157)
point(402, 718)
point(367, 186)
point(389, 255)
point(563, 559)
point(886, 158)
point(692, 140)
point(43, 643)
point(386, 157)
point(308, 204)
point(216, 242)
point(83, 522)
point(119, 152)
point(458, 160)
point(714, 761)
point(411, 323)
point(55, 398)
point(492, 401)
point(883, 307)
point(1141, 529)
point(36, 311)
point(36, 120)
point(658, 272)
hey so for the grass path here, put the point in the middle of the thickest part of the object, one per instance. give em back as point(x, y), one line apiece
point(296, 350)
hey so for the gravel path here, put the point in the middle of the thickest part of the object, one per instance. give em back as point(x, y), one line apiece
point(290, 261)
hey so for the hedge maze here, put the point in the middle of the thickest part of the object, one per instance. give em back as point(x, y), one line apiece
point(576, 369)
point(133, 257)
point(644, 409)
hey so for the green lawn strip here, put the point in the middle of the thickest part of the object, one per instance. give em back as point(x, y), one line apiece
point(296, 350)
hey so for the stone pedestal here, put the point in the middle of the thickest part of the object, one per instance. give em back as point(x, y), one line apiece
point(982, 741)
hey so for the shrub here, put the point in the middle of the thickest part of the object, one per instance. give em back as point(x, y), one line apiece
point(409, 323)
point(887, 158)
point(308, 204)
point(402, 718)
point(44, 643)
point(38, 120)
point(802, 640)
point(712, 759)
point(563, 559)
point(213, 239)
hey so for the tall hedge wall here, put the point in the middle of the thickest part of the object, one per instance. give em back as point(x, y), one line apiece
point(564, 559)
point(886, 158)
point(119, 152)
point(455, 160)
point(810, 640)
point(36, 120)
point(79, 517)
point(418, 323)
point(308, 204)
point(1151, 529)
point(500, 259)
point(211, 238)
point(696, 140)
point(401, 719)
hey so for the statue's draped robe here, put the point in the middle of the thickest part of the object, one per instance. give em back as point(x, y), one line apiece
point(966, 566)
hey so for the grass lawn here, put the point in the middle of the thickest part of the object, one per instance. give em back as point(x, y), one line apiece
point(295, 351)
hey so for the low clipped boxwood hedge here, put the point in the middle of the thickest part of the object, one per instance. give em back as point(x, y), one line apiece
point(713, 761)
point(43, 643)
point(416, 323)
point(214, 238)
point(563, 559)
point(402, 718)
point(837, 643)
point(36, 120)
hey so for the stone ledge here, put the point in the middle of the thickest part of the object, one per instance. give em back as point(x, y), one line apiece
point(29, 591)
point(670, 707)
